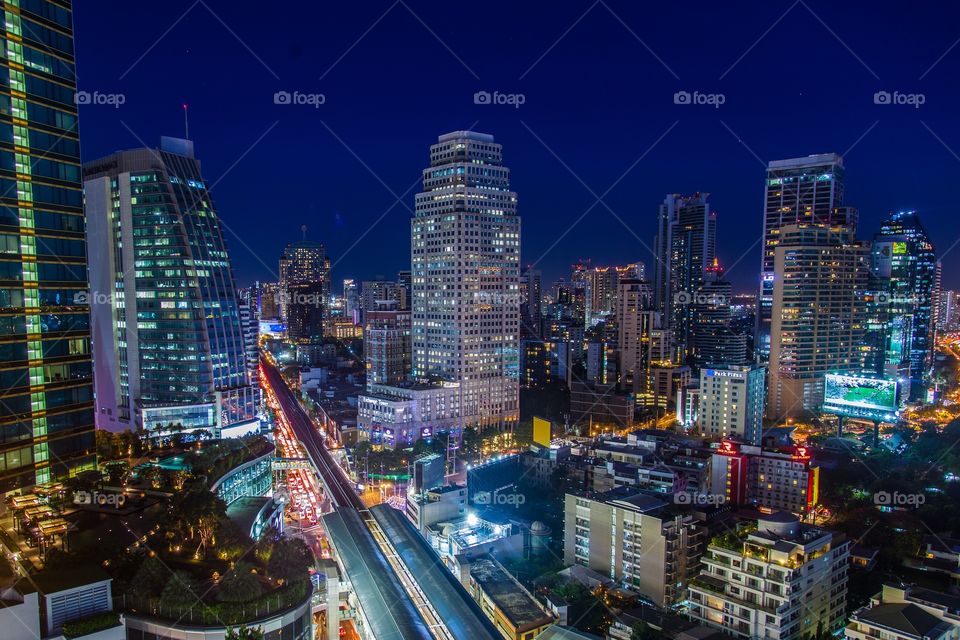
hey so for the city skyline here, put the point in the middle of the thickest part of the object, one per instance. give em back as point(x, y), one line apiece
point(341, 139)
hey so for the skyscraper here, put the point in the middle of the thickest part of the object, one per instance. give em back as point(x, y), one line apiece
point(819, 314)
point(46, 417)
point(305, 290)
point(797, 191)
point(686, 245)
point(636, 321)
point(715, 341)
point(168, 334)
point(904, 267)
point(466, 266)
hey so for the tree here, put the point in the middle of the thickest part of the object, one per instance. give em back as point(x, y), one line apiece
point(180, 591)
point(290, 559)
point(244, 633)
point(239, 584)
point(150, 578)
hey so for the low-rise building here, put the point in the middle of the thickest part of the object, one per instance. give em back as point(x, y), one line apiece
point(906, 613)
point(513, 609)
point(779, 580)
point(646, 545)
point(781, 480)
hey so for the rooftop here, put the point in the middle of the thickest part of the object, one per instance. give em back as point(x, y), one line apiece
point(508, 595)
point(903, 617)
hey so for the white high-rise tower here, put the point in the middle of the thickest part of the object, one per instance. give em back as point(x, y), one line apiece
point(465, 246)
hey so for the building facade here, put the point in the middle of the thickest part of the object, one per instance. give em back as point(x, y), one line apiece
point(634, 540)
point(170, 348)
point(819, 318)
point(903, 269)
point(305, 291)
point(46, 417)
point(779, 580)
point(465, 243)
point(796, 191)
point(731, 402)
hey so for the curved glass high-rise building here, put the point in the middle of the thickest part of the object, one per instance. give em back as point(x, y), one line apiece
point(169, 345)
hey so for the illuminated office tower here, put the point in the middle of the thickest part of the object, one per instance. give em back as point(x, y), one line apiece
point(904, 267)
point(819, 314)
point(797, 191)
point(466, 266)
point(169, 341)
point(46, 416)
point(305, 291)
point(686, 245)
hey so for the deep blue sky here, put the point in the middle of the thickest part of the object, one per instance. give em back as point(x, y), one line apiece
point(598, 98)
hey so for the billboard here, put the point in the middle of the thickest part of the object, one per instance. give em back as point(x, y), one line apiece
point(541, 431)
point(861, 397)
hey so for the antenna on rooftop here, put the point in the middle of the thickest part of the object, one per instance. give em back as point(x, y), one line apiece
point(303, 230)
point(186, 122)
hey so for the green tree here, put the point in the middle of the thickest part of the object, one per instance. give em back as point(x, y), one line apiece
point(240, 584)
point(151, 577)
point(244, 633)
point(180, 591)
point(290, 559)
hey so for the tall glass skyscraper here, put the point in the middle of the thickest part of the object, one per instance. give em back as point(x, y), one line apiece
point(46, 390)
point(169, 343)
point(686, 246)
point(904, 268)
point(466, 270)
point(797, 191)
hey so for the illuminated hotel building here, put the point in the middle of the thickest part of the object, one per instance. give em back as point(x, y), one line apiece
point(169, 344)
point(797, 191)
point(819, 314)
point(731, 402)
point(46, 416)
point(748, 475)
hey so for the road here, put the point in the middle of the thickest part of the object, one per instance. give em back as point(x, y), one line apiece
point(339, 487)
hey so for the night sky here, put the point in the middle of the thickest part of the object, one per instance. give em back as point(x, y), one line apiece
point(598, 119)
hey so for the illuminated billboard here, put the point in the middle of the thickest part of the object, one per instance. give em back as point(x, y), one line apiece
point(861, 397)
